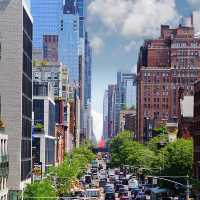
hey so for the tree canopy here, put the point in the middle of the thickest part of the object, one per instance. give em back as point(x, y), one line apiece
point(177, 157)
point(40, 189)
point(174, 158)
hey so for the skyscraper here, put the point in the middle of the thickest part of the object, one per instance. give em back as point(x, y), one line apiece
point(165, 65)
point(87, 71)
point(112, 111)
point(81, 8)
point(105, 115)
point(69, 40)
point(16, 89)
point(125, 94)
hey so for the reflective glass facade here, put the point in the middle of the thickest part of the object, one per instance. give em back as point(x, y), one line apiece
point(81, 9)
point(68, 41)
point(88, 71)
point(46, 16)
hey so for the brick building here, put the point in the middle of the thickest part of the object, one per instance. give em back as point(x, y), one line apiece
point(50, 48)
point(164, 65)
point(128, 121)
point(196, 130)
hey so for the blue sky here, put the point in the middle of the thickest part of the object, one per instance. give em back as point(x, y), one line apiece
point(117, 28)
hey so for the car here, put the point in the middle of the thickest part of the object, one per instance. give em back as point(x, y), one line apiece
point(110, 196)
point(124, 198)
point(122, 191)
point(93, 193)
point(108, 188)
point(123, 194)
point(102, 171)
point(95, 176)
point(102, 182)
point(117, 171)
point(125, 181)
point(102, 176)
point(88, 179)
point(135, 191)
point(112, 178)
point(118, 187)
point(100, 166)
point(133, 183)
point(140, 196)
point(94, 170)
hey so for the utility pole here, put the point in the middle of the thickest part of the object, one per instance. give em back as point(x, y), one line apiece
point(188, 189)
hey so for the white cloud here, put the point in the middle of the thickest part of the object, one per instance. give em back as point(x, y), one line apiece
point(97, 44)
point(97, 124)
point(133, 44)
point(134, 69)
point(130, 46)
point(133, 18)
point(194, 3)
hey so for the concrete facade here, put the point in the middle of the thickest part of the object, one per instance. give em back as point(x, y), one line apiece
point(12, 90)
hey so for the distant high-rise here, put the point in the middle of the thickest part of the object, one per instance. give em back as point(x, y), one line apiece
point(105, 115)
point(165, 65)
point(16, 90)
point(46, 15)
point(125, 94)
point(87, 71)
point(112, 111)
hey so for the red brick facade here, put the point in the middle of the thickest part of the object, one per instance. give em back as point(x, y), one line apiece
point(164, 65)
point(50, 48)
point(196, 130)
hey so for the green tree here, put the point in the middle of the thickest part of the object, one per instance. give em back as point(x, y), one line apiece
point(116, 146)
point(161, 130)
point(177, 158)
point(39, 190)
point(74, 166)
point(156, 142)
point(125, 151)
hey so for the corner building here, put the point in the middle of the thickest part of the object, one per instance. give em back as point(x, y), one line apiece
point(164, 65)
point(16, 90)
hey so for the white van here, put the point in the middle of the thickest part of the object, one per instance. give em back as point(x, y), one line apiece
point(94, 194)
point(133, 183)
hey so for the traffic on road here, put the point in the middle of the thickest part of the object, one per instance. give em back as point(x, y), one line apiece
point(103, 183)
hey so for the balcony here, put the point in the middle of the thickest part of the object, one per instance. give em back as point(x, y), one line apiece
point(4, 165)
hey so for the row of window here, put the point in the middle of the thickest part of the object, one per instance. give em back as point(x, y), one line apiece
point(156, 106)
point(187, 53)
point(156, 114)
point(156, 99)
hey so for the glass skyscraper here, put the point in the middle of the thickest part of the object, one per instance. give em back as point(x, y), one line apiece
point(46, 16)
point(69, 40)
point(88, 71)
point(81, 9)
point(125, 94)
